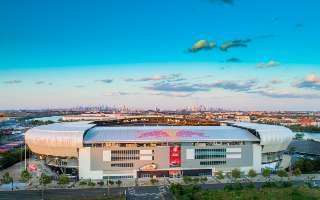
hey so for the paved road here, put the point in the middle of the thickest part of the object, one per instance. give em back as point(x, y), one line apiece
point(132, 193)
point(147, 192)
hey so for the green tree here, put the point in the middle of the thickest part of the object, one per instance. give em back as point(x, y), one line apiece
point(297, 172)
point(119, 182)
point(252, 173)
point(235, 173)
point(45, 179)
point(282, 173)
point(25, 176)
point(6, 178)
point(154, 181)
point(266, 172)
point(219, 175)
point(63, 179)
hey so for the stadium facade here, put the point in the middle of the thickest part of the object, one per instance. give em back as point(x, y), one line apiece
point(96, 150)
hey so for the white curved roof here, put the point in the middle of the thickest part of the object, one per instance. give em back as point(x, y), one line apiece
point(102, 134)
point(59, 139)
point(273, 138)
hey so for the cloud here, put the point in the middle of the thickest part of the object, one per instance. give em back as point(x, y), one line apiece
point(269, 64)
point(276, 81)
point(233, 59)
point(12, 82)
point(235, 43)
point(289, 95)
point(202, 45)
point(106, 80)
point(40, 82)
point(123, 93)
point(176, 87)
point(232, 85)
point(170, 77)
point(311, 81)
point(173, 94)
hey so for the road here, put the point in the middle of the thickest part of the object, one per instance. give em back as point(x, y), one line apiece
point(132, 193)
point(146, 192)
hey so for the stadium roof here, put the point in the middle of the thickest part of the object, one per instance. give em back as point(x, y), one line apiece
point(167, 134)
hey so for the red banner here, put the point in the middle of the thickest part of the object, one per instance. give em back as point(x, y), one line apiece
point(175, 156)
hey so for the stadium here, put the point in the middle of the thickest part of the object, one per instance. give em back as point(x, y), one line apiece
point(146, 146)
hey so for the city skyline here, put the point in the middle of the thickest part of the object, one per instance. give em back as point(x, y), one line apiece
point(57, 55)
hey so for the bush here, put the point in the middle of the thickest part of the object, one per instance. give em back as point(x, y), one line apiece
point(154, 181)
point(204, 179)
point(282, 173)
point(252, 173)
point(187, 179)
point(219, 175)
point(83, 183)
point(63, 180)
point(91, 184)
point(12, 157)
point(235, 173)
point(111, 182)
point(101, 183)
point(6, 178)
point(195, 180)
point(266, 172)
point(119, 182)
point(297, 172)
point(25, 176)
point(45, 179)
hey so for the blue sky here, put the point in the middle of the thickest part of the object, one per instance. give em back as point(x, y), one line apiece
point(137, 53)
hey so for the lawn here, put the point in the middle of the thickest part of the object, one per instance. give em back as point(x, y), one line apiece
point(274, 193)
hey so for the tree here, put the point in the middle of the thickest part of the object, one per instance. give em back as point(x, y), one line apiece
point(6, 178)
point(235, 173)
point(119, 182)
point(25, 176)
point(252, 173)
point(45, 179)
point(153, 181)
point(266, 172)
point(297, 172)
point(282, 173)
point(219, 175)
point(63, 179)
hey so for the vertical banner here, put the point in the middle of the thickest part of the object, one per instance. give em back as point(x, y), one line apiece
point(175, 156)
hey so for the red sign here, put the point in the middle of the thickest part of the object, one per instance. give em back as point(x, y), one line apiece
point(175, 156)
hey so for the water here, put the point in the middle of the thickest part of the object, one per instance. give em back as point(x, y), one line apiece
point(51, 118)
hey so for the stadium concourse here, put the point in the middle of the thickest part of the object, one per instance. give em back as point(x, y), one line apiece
point(158, 147)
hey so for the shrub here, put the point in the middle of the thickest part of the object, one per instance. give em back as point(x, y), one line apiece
point(297, 172)
point(111, 182)
point(154, 181)
point(63, 180)
point(204, 179)
point(266, 172)
point(119, 182)
point(91, 184)
point(235, 173)
point(252, 173)
point(219, 175)
point(187, 179)
point(45, 179)
point(25, 176)
point(101, 183)
point(83, 183)
point(282, 173)
point(6, 178)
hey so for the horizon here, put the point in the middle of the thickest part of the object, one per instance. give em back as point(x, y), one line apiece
point(168, 55)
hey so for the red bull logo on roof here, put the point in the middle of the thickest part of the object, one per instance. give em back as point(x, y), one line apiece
point(171, 134)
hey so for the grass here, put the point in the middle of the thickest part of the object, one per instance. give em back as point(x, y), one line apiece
point(289, 193)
